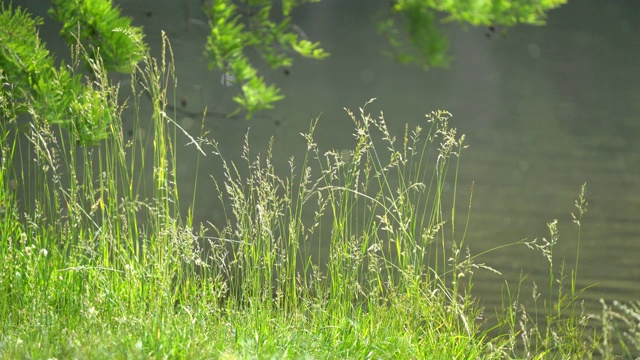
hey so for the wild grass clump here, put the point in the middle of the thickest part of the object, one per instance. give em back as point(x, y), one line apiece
point(556, 325)
point(349, 254)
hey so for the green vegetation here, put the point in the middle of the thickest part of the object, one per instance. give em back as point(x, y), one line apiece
point(237, 28)
point(90, 269)
point(412, 28)
point(108, 36)
point(58, 94)
point(98, 261)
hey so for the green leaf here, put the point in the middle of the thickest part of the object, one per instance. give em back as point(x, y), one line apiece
point(229, 41)
point(256, 96)
point(98, 25)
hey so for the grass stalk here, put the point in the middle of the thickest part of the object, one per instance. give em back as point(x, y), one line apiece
point(101, 260)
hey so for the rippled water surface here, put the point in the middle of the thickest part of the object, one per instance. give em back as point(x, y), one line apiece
point(544, 109)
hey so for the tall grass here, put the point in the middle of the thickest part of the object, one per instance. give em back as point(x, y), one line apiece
point(92, 246)
point(347, 254)
point(556, 326)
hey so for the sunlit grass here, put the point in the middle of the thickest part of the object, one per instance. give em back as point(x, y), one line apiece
point(98, 262)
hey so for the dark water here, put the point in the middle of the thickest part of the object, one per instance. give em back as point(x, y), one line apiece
point(544, 110)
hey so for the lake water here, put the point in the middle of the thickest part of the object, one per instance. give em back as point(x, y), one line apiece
point(544, 110)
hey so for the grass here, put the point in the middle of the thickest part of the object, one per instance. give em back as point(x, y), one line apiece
point(98, 261)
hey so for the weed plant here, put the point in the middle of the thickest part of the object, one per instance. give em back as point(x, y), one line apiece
point(98, 262)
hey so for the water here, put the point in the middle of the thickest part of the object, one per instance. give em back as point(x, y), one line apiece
point(544, 109)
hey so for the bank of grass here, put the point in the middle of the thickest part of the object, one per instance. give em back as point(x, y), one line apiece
point(97, 262)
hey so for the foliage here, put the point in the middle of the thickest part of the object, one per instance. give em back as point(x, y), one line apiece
point(234, 30)
point(427, 46)
point(60, 94)
point(101, 29)
point(22, 56)
point(98, 265)
point(425, 37)
point(98, 261)
point(237, 28)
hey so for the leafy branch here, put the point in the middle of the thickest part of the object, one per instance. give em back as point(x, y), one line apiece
point(411, 26)
point(237, 27)
point(234, 30)
point(33, 82)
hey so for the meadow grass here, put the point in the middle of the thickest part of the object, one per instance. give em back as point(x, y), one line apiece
point(98, 261)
